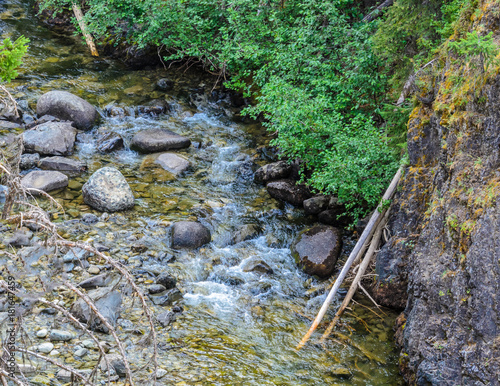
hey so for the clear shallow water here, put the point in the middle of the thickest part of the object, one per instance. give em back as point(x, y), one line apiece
point(237, 328)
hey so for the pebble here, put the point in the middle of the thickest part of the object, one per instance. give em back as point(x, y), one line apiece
point(45, 347)
point(54, 353)
point(81, 352)
point(88, 343)
point(42, 333)
point(156, 288)
point(56, 335)
point(160, 373)
point(93, 270)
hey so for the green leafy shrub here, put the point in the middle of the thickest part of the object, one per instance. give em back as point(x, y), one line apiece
point(11, 54)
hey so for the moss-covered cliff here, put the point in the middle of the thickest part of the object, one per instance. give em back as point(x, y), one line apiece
point(442, 263)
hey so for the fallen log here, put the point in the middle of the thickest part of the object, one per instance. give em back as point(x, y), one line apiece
point(88, 38)
point(367, 233)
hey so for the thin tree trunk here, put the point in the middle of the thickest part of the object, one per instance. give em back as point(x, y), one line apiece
point(376, 12)
point(88, 38)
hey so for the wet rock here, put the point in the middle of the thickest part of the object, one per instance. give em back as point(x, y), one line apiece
point(17, 240)
point(154, 108)
point(42, 120)
point(44, 180)
point(117, 363)
point(256, 265)
point(273, 171)
point(156, 289)
point(81, 352)
point(138, 248)
point(166, 298)
point(272, 241)
point(160, 373)
point(334, 217)
point(166, 318)
point(173, 163)
point(9, 125)
point(108, 304)
point(102, 280)
point(156, 140)
point(166, 280)
point(189, 234)
point(62, 164)
point(246, 232)
point(42, 333)
point(108, 142)
point(29, 161)
point(165, 84)
point(315, 205)
point(89, 218)
point(45, 347)
point(108, 191)
point(75, 254)
point(114, 111)
point(51, 138)
point(66, 106)
point(60, 335)
point(288, 191)
point(317, 249)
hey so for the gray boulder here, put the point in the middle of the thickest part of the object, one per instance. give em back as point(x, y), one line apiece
point(108, 191)
point(44, 180)
point(173, 163)
point(317, 249)
point(289, 191)
point(69, 107)
point(108, 304)
point(156, 140)
point(62, 164)
point(273, 171)
point(18, 239)
point(189, 234)
point(51, 138)
point(316, 204)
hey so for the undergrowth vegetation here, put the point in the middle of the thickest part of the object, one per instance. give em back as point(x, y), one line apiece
point(324, 81)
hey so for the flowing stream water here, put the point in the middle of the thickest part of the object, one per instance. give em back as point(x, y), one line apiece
point(237, 328)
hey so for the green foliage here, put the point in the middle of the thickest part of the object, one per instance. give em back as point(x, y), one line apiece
point(308, 64)
point(475, 46)
point(11, 54)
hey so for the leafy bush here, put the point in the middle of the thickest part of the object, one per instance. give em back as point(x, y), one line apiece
point(11, 54)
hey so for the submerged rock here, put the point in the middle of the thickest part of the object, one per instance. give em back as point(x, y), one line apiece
point(166, 298)
point(108, 142)
point(173, 163)
point(62, 164)
point(108, 304)
point(51, 138)
point(245, 232)
point(256, 265)
point(273, 171)
point(66, 106)
point(317, 249)
point(190, 234)
point(166, 280)
point(156, 140)
point(108, 191)
point(44, 180)
point(289, 191)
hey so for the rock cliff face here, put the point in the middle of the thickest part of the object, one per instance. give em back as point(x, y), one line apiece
point(442, 262)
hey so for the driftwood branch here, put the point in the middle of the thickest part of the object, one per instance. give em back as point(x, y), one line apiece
point(377, 11)
point(367, 233)
point(88, 38)
point(361, 271)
